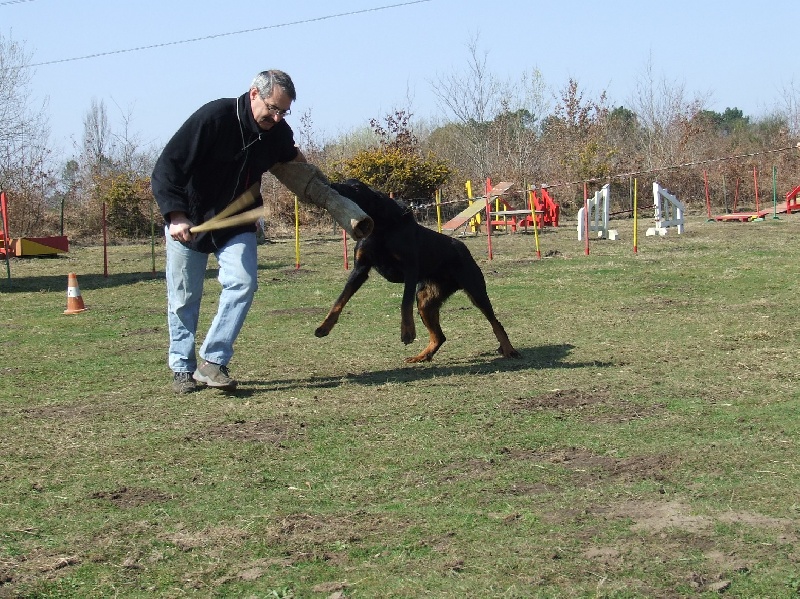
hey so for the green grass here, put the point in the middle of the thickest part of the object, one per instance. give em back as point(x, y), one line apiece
point(644, 446)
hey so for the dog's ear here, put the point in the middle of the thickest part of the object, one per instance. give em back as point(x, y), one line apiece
point(377, 204)
point(394, 211)
point(344, 188)
point(355, 190)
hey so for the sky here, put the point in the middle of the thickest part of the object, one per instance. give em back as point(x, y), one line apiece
point(356, 60)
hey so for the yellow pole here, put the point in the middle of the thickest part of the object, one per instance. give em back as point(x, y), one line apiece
point(635, 217)
point(439, 209)
point(475, 220)
point(535, 227)
point(296, 234)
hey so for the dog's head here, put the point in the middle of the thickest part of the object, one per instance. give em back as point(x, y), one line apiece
point(383, 209)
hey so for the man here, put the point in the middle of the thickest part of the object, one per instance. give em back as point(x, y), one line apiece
point(218, 153)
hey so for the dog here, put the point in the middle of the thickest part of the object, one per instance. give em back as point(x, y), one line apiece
point(431, 266)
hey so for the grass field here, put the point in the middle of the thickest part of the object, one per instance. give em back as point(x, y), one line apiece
point(646, 445)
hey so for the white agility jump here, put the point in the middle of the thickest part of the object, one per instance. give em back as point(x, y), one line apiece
point(669, 211)
point(598, 215)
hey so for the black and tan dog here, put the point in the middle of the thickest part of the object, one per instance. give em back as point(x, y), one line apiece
point(431, 266)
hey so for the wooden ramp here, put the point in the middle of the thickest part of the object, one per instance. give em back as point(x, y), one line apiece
point(463, 217)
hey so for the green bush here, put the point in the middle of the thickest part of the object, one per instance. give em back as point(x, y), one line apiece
point(403, 173)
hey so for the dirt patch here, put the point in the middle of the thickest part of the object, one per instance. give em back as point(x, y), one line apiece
point(132, 497)
point(584, 467)
point(311, 537)
point(652, 517)
point(593, 406)
point(608, 556)
point(60, 412)
point(144, 331)
point(589, 466)
point(664, 530)
point(531, 489)
point(271, 432)
point(290, 311)
point(220, 535)
point(558, 399)
point(296, 272)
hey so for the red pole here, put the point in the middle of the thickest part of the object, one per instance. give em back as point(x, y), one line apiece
point(4, 210)
point(105, 243)
point(488, 216)
point(755, 184)
point(635, 216)
point(7, 251)
point(708, 199)
point(586, 215)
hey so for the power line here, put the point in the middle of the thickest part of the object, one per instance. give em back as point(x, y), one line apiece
point(637, 173)
point(14, 2)
point(218, 35)
point(676, 166)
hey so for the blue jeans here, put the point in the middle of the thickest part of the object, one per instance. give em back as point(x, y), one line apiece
point(186, 272)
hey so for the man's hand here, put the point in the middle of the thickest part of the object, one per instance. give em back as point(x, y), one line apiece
point(179, 225)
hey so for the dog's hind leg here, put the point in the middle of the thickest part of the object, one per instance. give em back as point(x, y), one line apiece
point(429, 303)
point(506, 349)
point(480, 299)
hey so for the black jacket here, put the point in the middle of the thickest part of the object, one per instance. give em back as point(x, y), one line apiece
point(215, 156)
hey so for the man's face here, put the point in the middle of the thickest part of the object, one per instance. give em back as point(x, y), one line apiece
point(271, 110)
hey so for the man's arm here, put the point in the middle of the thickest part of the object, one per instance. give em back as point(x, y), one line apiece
point(173, 170)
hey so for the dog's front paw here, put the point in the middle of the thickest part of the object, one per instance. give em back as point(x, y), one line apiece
point(408, 334)
point(322, 330)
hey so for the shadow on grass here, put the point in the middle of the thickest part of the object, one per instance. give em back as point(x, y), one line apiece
point(545, 356)
point(21, 283)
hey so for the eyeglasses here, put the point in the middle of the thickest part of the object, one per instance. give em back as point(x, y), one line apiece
point(273, 110)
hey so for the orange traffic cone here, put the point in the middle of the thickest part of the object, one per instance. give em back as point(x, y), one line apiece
point(74, 299)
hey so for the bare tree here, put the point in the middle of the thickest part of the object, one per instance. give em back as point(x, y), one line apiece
point(516, 130)
point(790, 108)
point(97, 141)
point(575, 138)
point(24, 138)
point(663, 112)
point(128, 153)
point(473, 98)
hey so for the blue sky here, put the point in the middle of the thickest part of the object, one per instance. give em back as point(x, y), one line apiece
point(349, 69)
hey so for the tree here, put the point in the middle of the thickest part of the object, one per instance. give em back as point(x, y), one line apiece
point(25, 171)
point(97, 147)
point(790, 108)
point(113, 169)
point(664, 114)
point(396, 164)
point(516, 130)
point(473, 98)
point(725, 123)
point(127, 199)
point(577, 134)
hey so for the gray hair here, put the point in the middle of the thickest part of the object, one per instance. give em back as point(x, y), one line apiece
point(266, 81)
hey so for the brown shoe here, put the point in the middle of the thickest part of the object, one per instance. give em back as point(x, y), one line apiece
point(182, 382)
point(215, 375)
